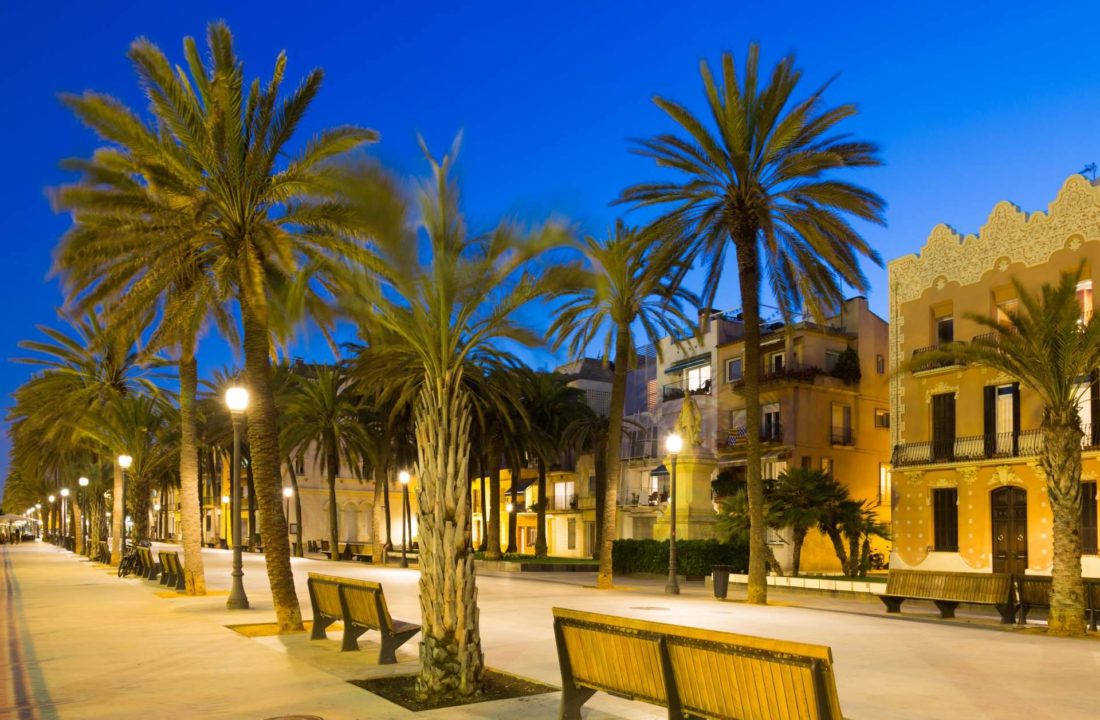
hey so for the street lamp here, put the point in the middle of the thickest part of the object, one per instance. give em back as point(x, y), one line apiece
point(65, 514)
point(673, 444)
point(83, 483)
point(156, 520)
point(406, 520)
point(38, 517)
point(53, 530)
point(236, 399)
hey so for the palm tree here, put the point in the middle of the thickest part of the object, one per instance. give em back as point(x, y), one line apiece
point(628, 283)
point(552, 406)
point(757, 178)
point(447, 302)
point(799, 499)
point(1048, 346)
point(323, 415)
point(734, 526)
point(270, 223)
point(84, 375)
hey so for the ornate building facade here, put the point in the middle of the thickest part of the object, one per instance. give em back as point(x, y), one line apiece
point(967, 492)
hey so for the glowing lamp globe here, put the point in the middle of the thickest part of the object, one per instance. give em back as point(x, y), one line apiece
point(125, 461)
point(236, 399)
point(403, 477)
point(674, 444)
point(82, 482)
point(64, 492)
point(288, 492)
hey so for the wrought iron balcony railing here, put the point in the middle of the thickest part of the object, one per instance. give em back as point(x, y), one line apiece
point(937, 362)
point(990, 446)
point(677, 391)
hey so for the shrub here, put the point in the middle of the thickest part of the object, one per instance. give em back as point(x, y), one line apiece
point(693, 557)
point(847, 366)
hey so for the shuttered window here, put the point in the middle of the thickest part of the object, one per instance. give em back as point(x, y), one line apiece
point(945, 518)
point(1088, 518)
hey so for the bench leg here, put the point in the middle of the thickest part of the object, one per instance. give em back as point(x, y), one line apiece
point(320, 624)
point(351, 637)
point(387, 655)
point(1008, 613)
point(947, 608)
point(893, 604)
point(572, 700)
point(1024, 610)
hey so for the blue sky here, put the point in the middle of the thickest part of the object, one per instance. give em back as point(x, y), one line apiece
point(972, 103)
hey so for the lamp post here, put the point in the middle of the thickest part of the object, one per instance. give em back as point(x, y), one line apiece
point(83, 500)
point(406, 521)
point(156, 521)
point(124, 462)
point(236, 399)
point(65, 516)
point(38, 517)
point(52, 522)
point(673, 444)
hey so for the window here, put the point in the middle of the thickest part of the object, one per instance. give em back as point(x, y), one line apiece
point(945, 519)
point(591, 486)
point(775, 363)
point(884, 483)
point(882, 418)
point(841, 424)
point(1088, 518)
point(563, 494)
point(807, 462)
point(880, 364)
point(300, 466)
point(1084, 299)
point(943, 427)
point(772, 429)
point(832, 357)
point(571, 530)
point(827, 465)
point(774, 538)
point(734, 369)
point(697, 378)
point(945, 330)
point(1005, 308)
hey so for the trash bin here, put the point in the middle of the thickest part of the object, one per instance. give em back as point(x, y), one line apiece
point(720, 579)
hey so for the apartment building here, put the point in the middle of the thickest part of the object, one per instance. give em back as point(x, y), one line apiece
point(967, 492)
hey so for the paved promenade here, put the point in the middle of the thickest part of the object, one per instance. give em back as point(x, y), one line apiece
point(77, 642)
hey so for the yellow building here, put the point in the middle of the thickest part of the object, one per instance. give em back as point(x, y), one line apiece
point(811, 417)
point(967, 493)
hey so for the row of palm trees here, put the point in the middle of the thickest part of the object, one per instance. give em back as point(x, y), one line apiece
point(204, 213)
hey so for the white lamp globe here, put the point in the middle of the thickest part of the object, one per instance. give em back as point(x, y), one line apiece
point(83, 482)
point(288, 492)
point(64, 492)
point(236, 399)
point(125, 461)
point(403, 477)
point(674, 444)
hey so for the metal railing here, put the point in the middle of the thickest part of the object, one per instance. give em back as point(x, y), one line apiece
point(843, 436)
point(791, 373)
point(989, 446)
point(935, 363)
point(738, 438)
point(677, 391)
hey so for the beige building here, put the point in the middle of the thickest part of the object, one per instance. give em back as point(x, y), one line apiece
point(967, 492)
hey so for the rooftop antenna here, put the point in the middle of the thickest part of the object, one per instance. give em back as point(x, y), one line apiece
point(1089, 171)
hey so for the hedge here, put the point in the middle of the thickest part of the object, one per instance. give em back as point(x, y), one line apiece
point(693, 557)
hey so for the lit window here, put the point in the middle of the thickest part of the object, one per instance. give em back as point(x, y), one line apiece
point(775, 363)
point(882, 418)
point(1084, 299)
point(1005, 309)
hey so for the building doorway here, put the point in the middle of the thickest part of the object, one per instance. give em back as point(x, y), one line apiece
point(1008, 511)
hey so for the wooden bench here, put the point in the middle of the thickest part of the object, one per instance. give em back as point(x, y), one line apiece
point(150, 568)
point(172, 570)
point(691, 671)
point(948, 589)
point(360, 606)
point(1034, 592)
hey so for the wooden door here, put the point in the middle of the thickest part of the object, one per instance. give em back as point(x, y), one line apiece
point(1008, 510)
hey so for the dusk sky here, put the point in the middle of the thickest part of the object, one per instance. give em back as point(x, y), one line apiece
point(972, 103)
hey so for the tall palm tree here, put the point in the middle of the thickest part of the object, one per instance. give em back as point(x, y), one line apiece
point(552, 406)
point(323, 416)
point(628, 283)
point(1049, 347)
point(756, 176)
point(799, 499)
point(447, 301)
point(264, 216)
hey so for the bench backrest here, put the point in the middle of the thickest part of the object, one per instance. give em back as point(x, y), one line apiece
point(991, 588)
point(1034, 590)
point(704, 672)
point(324, 594)
point(367, 605)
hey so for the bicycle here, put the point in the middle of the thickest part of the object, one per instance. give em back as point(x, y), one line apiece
point(130, 563)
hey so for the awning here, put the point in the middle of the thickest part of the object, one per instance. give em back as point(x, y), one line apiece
point(691, 362)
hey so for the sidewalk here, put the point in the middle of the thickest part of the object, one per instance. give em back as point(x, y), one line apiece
point(77, 642)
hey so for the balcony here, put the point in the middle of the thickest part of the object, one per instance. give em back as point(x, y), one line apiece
point(793, 373)
point(843, 436)
point(938, 362)
point(676, 391)
point(990, 446)
point(559, 502)
point(737, 438)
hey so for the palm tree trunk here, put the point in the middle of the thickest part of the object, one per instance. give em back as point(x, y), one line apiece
point(333, 511)
point(78, 525)
point(492, 535)
point(190, 509)
point(599, 462)
point(139, 507)
point(838, 547)
point(749, 278)
point(614, 450)
point(263, 443)
point(798, 538)
point(451, 660)
point(250, 479)
point(118, 515)
point(1060, 460)
point(377, 547)
point(540, 536)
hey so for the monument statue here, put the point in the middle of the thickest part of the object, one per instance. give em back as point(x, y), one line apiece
point(690, 424)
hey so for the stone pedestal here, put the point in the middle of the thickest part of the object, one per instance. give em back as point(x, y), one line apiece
point(695, 516)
